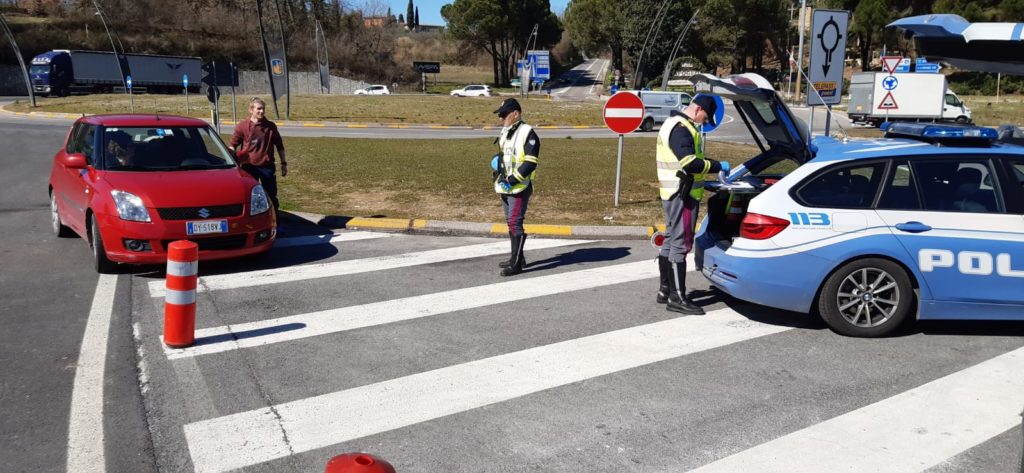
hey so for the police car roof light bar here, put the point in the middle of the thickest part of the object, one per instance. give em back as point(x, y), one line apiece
point(938, 131)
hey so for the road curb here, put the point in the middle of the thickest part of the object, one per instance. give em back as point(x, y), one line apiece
point(458, 228)
point(328, 124)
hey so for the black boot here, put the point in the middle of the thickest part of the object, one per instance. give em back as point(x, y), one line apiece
point(683, 305)
point(665, 276)
point(507, 263)
point(516, 266)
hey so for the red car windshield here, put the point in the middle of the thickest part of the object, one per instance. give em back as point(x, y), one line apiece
point(163, 149)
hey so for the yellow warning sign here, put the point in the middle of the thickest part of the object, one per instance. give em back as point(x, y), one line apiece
point(888, 103)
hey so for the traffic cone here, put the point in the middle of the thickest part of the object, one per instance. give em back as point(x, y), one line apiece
point(358, 463)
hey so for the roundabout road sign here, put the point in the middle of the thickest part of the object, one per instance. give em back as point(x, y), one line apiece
point(623, 113)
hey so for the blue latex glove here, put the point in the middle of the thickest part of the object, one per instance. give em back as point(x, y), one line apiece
point(725, 166)
point(495, 162)
point(505, 186)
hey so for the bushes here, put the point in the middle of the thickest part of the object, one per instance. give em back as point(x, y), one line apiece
point(981, 83)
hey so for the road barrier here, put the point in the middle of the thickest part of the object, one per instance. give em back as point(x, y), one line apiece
point(358, 463)
point(180, 299)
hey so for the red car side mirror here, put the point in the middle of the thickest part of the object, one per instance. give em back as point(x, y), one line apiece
point(74, 161)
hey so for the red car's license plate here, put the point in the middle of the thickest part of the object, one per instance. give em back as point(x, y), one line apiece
point(203, 227)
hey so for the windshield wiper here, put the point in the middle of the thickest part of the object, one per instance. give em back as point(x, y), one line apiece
point(129, 167)
point(192, 167)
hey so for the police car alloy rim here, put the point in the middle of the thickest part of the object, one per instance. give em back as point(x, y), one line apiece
point(868, 297)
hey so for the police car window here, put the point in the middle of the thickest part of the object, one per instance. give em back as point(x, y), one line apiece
point(950, 185)
point(900, 191)
point(849, 187)
point(764, 109)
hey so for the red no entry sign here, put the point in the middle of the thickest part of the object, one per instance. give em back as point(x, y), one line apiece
point(623, 113)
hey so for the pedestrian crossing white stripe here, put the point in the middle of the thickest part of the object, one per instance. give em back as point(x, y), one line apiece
point(85, 421)
point(365, 265)
point(909, 432)
point(328, 239)
point(247, 438)
point(220, 339)
point(623, 113)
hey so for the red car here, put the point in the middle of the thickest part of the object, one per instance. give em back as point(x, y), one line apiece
point(131, 184)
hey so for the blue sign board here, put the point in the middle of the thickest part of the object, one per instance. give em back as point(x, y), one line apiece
point(184, 80)
point(928, 67)
point(890, 83)
point(540, 62)
point(128, 81)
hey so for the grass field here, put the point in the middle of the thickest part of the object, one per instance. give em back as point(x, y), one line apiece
point(408, 109)
point(991, 112)
point(451, 179)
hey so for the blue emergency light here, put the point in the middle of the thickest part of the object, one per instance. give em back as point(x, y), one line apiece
point(938, 131)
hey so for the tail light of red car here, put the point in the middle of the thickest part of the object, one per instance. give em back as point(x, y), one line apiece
point(761, 227)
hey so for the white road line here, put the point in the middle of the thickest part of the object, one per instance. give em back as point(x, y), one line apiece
point(909, 432)
point(265, 332)
point(340, 268)
point(85, 424)
point(328, 239)
point(600, 76)
point(247, 438)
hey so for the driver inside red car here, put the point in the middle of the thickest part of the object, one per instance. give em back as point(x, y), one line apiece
point(121, 148)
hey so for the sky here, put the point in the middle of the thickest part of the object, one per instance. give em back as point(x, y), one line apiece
point(430, 10)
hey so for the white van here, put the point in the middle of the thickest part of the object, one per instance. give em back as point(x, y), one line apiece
point(658, 106)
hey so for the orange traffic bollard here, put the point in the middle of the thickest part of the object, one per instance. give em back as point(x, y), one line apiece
point(180, 301)
point(358, 463)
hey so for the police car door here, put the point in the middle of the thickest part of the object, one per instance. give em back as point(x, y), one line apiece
point(949, 213)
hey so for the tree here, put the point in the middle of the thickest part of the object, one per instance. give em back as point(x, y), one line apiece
point(502, 28)
point(596, 26)
point(1012, 10)
point(417, 21)
point(869, 19)
point(409, 15)
point(401, 18)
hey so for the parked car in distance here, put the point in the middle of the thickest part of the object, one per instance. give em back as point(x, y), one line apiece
point(515, 83)
point(132, 184)
point(658, 106)
point(374, 90)
point(472, 91)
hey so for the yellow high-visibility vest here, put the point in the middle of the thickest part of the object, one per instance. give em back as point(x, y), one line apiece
point(513, 153)
point(669, 163)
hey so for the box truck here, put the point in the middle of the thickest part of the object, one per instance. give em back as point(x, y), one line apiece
point(60, 72)
point(877, 96)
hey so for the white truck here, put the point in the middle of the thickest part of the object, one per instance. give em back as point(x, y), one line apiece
point(876, 97)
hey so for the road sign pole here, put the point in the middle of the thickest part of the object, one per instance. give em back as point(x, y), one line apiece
point(810, 126)
point(618, 172)
point(186, 100)
point(131, 99)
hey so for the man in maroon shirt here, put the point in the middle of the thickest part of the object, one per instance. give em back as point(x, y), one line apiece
point(254, 142)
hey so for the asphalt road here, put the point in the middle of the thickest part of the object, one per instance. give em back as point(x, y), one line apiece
point(580, 82)
point(412, 347)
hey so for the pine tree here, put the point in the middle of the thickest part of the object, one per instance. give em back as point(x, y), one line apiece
point(417, 17)
point(409, 15)
point(401, 18)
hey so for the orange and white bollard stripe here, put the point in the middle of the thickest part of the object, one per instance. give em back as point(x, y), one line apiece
point(180, 299)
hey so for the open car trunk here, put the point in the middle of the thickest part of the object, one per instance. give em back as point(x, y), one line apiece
point(781, 138)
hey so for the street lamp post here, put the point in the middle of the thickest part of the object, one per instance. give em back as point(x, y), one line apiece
point(660, 17)
point(675, 49)
point(21, 62)
point(117, 56)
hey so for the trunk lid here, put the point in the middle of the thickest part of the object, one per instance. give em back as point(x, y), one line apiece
point(982, 47)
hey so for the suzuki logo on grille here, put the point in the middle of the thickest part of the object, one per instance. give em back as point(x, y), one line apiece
point(204, 213)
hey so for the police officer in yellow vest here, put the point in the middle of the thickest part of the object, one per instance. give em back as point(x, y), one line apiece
point(681, 169)
point(515, 168)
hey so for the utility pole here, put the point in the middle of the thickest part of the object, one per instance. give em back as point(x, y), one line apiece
point(675, 49)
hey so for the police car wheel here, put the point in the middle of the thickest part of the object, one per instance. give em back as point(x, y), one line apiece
point(869, 297)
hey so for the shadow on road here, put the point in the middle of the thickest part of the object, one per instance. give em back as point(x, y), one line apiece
point(582, 255)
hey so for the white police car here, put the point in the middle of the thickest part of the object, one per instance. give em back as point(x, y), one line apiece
point(927, 222)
